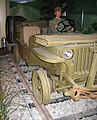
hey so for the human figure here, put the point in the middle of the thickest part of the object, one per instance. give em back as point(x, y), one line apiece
point(53, 24)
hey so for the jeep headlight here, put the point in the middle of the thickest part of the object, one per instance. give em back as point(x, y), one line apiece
point(68, 54)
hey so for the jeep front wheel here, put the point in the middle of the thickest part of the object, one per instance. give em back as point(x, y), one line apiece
point(41, 87)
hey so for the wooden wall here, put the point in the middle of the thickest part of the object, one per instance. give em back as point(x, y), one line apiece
point(4, 11)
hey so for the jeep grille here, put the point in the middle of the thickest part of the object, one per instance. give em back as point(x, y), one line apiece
point(82, 60)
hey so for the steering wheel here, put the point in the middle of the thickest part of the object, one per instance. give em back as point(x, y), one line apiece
point(67, 24)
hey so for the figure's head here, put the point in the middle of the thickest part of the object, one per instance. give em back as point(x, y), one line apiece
point(57, 11)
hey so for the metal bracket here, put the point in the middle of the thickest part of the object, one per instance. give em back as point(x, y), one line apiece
point(77, 93)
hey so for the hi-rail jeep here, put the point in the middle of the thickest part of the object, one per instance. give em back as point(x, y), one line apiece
point(67, 62)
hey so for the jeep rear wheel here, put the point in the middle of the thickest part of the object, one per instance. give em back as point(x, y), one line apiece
point(10, 27)
point(11, 22)
point(16, 53)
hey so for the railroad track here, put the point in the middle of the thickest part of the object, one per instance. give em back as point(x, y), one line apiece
point(45, 115)
point(88, 114)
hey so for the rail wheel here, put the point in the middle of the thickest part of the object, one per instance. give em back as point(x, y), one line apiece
point(16, 53)
point(41, 87)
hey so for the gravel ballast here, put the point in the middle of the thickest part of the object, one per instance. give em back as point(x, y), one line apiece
point(84, 109)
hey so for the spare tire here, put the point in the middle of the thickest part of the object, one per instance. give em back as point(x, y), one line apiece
point(11, 21)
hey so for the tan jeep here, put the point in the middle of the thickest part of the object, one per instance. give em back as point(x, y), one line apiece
point(67, 62)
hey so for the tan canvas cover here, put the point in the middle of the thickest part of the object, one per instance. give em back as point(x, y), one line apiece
point(55, 40)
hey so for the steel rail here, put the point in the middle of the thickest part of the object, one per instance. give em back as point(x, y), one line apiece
point(44, 113)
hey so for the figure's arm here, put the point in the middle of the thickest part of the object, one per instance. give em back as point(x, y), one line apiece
point(52, 26)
